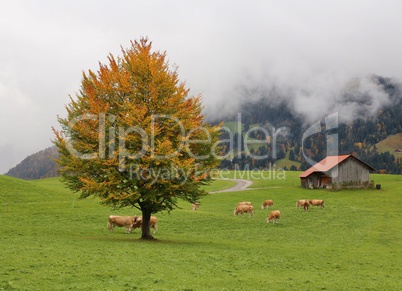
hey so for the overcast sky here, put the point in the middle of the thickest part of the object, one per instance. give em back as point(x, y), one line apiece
point(312, 47)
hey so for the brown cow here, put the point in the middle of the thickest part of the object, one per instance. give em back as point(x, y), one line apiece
point(300, 203)
point(317, 203)
point(242, 208)
point(245, 203)
point(195, 206)
point(120, 221)
point(153, 223)
point(306, 205)
point(274, 216)
point(267, 204)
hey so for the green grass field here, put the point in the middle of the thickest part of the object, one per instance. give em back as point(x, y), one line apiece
point(390, 144)
point(50, 240)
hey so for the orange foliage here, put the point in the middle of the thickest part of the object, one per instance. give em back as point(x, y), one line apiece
point(127, 115)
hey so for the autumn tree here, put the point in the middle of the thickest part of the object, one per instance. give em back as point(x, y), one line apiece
point(133, 137)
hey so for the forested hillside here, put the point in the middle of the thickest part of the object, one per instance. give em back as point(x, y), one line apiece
point(358, 137)
point(37, 166)
point(278, 129)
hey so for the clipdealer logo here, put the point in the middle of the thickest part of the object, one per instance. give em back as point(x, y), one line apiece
point(330, 125)
point(112, 140)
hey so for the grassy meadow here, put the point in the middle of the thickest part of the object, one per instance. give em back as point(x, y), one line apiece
point(390, 144)
point(51, 240)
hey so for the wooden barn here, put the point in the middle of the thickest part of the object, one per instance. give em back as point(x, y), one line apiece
point(337, 171)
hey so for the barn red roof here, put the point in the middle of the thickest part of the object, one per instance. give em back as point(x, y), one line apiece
point(325, 165)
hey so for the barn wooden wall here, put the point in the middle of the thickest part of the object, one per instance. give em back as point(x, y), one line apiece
point(351, 170)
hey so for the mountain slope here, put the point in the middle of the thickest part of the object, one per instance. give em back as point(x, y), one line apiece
point(391, 144)
point(37, 166)
point(268, 130)
point(280, 131)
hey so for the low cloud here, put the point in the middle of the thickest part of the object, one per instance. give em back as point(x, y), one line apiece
point(301, 52)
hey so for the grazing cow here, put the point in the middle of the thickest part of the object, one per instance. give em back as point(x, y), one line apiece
point(267, 204)
point(120, 221)
point(195, 206)
point(317, 203)
point(153, 223)
point(245, 203)
point(306, 205)
point(300, 203)
point(242, 208)
point(274, 216)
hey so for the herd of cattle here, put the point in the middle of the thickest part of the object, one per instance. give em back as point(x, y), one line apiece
point(275, 215)
point(133, 222)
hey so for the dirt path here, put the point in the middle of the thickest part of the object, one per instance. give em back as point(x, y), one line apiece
point(240, 186)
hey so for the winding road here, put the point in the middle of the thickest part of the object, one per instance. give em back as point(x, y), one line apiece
point(241, 185)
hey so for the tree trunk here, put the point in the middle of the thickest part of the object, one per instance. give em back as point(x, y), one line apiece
point(146, 226)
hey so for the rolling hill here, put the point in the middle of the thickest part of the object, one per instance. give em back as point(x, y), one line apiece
point(391, 143)
point(37, 166)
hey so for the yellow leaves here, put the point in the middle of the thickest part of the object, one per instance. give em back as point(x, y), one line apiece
point(164, 147)
point(359, 145)
point(90, 184)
